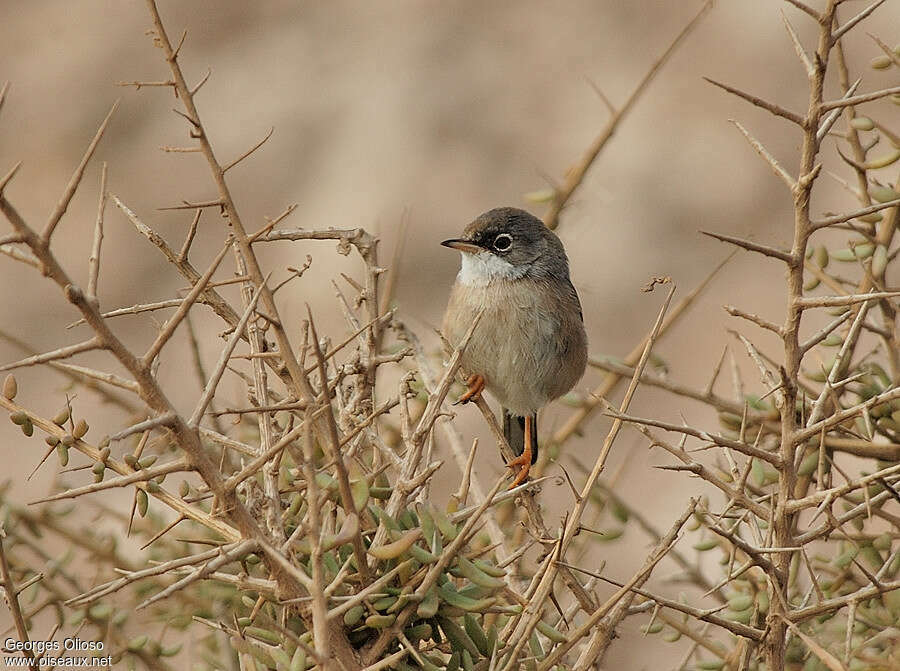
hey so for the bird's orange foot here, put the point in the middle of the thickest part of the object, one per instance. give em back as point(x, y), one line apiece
point(475, 385)
point(523, 461)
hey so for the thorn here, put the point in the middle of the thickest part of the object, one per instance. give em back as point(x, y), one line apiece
point(762, 151)
point(180, 44)
point(807, 9)
point(7, 178)
point(777, 110)
point(849, 25)
point(200, 84)
point(575, 494)
point(75, 180)
point(3, 92)
point(752, 246)
point(195, 124)
point(247, 153)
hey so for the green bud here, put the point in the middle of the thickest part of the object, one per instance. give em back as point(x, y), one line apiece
point(380, 621)
point(61, 417)
point(883, 161)
point(10, 388)
point(883, 542)
point(142, 502)
point(883, 194)
point(138, 642)
point(879, 260)
point(862, 123)
point(101, 611)
point(353, 616)
point(821, 256)
point(846, 558)
point(740, 602)
point(707, 545)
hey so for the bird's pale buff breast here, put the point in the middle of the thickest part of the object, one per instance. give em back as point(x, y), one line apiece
point(527, 349)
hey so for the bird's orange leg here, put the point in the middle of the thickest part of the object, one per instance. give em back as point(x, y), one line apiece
point(475, 385)
point(523, 461)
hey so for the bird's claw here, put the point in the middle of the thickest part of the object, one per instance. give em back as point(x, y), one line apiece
point(475, 385)
point(523, 463)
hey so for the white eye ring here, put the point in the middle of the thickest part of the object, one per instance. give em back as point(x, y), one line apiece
point(503, 242)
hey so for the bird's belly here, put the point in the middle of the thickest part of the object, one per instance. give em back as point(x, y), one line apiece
point(516, 347)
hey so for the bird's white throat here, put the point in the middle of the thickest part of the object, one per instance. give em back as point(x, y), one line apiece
point(479, 269)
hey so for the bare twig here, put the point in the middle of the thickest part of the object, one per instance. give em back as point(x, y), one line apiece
point(94, 261)
point(75, 180)
point(55, 355)
point(185, 306)
point(571, 425)
point(576, 175)
point(11, 592)
point(210, 389)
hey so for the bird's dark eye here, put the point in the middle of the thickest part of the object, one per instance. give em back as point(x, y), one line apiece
point(503, 242)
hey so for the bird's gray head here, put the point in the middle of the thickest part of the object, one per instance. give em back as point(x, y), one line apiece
point(509, 243)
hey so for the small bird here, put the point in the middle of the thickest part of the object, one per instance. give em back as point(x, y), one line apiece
point(530, 346)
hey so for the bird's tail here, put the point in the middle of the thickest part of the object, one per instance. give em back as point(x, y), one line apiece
point(514, 432)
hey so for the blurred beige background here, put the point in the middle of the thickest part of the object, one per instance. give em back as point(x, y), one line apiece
point(432, 111)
